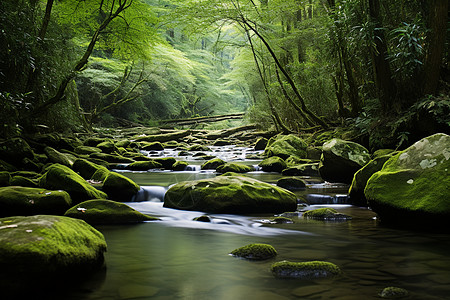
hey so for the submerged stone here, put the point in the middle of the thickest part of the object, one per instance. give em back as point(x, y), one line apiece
point(341, 159)
point(230, 194)
point(25, 201)
point(412, 188)
point(393, 293)
point(100, 211)
point(44, 252)
point(304, 270)
point(255, 252)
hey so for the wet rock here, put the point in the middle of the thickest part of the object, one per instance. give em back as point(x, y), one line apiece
point(165, 137)
point(291, 183)
point(309, 169)
point(107, 147)
point(23, 181)
point(144, 165)
point(85, 168)
point(212, 164)
point(93, 141)
point(199, 148)
point(393, 293)
point(305, 270)
point(15, 150)
point(273, 164)
point(255, 252)
point(281, 220)
point(412, 187)
point(356, 190)
point(285, 146)
point(230, 194)
point(100, 211)
point(111, 158)
point(56, 157)
point(25, 201)
point(234, 167)
point(87, 150)
point(221, 142)
point(59, 177)
point(28, 244)
point(326, 214)
point(203, 218)
point(151, 146)
point(261, 144)
point(119, 187)
point(180, 165)
point(166, 162)
point(5, 178)
point(341, 159)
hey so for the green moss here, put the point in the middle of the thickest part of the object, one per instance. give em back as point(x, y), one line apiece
point(393, 293)
point(281, 220)
point(255, 252)
point(230, 194)
point(234, 167)
point(85, 168)
point(119, 187)
point(310, 169)
point(180, 165)
point(107, 146)
point(304, 270)
point(291, 183)
point(17, 200)
point(151, 146)
point(326, 213)
point(23, 181)
point(261, 144)
point(199, 148)
point(285, 146)
point(111, 158)
point(273, 164)
point(59, 177)
point(212, 164)
point(166, 162)
point(101, 211)
point(100, 174)
point(39, 250)
point(144, 165)
point(87, 150)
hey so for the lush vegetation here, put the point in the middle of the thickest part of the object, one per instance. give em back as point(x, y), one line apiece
point(377, 68)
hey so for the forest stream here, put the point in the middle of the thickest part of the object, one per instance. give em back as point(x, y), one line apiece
point(178, 258)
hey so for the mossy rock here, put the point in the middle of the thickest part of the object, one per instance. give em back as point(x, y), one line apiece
point(166, 162)
point(56, 157)
point(230, 194)
point(107, 147)
point(111, 158)
point(356, 190)
point(180, 165)
point(291, 183)
point(326, 214)
point(43, 252)
point(86, 168)
point(341, 159)
point(261, 144)
point(285, 146)
point(305, 270)
point(59, 177)
point(100, 211)
point(151, 146)
point(199, 148)
point(24, 181)
point(221, 142)
point(393, 292)
point(273, 164)
point(87, 150)
point(93, 141)
point(212, 164)
point(7, 167)
point(119, 187)
point(412, 187)
point(101, 174)
point(309, 169)
point(234, 167)
point(144, 165)
point(204, 218)
point(164, 137)
point(5, 178)
point(15, 150)
point(281, 220)
point(255, 252)
point(24, 201)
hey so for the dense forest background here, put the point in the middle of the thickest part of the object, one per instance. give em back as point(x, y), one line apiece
point(376, 71)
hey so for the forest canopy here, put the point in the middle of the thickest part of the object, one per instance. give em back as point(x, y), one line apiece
point(377, 68)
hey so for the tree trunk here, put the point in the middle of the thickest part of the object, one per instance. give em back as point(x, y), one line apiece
point(383, 77)
point(438, 18)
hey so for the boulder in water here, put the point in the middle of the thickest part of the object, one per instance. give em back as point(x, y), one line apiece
point(180, 165)
point(341, 159)
point(25, 201)
point(151, 146)
point(212, 164)
point(230, 194)
point(144, 165)
point(273, 164)
point(261, 144)
point(393, 292)
point(166, 162)
point(100, 211)
point(119, 187)
point(234, 167)
point(309, 169)
point(305, 270)
point(325, 214)
point(412, 188)
point(43, 252)
point(255, 252)
point(285, 146)
point(59, 177)
point(291, 183)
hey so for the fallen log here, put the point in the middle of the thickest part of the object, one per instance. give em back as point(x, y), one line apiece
point(205, 119)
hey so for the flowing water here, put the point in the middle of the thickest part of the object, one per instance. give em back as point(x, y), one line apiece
point(178, 258)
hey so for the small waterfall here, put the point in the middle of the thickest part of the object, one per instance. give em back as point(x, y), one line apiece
point(257, 168)
point(326, 199)
point(195, 168)
point(150, 193)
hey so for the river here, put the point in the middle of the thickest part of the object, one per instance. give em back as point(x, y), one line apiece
point(178, 258)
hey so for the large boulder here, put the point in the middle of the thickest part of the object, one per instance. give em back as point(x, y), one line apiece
point(356, 190)
point(86, 168)
point(25, 201)
point(285, 146)
point(100, 211)
point(341, 159)
point(413, 186)
point(44, 252)
point(119, 187)
point(59, 177)
point(273, 164)
point(230, 194)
